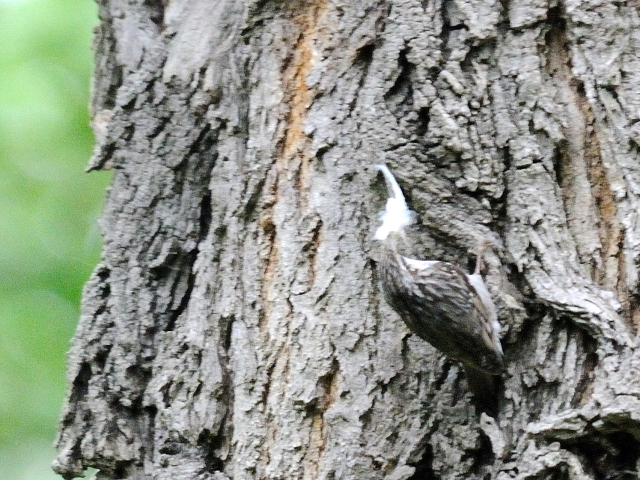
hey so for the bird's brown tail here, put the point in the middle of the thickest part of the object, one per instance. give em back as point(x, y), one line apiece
point(484, 387)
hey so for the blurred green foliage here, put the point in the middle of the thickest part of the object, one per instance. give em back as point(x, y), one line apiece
point(49, 240)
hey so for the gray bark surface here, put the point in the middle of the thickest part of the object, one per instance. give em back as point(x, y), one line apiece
point(235, 328)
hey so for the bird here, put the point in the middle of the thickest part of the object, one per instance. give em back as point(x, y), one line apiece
point(439, 302)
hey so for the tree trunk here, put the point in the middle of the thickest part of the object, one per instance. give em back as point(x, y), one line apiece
point(235, 328)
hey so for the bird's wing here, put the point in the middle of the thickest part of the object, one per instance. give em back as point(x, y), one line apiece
point(484, 304)
point(444, 293)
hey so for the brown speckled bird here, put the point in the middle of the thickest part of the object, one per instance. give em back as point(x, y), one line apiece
point(448, 308)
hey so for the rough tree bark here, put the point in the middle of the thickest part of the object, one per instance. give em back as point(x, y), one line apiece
point(234, 328)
